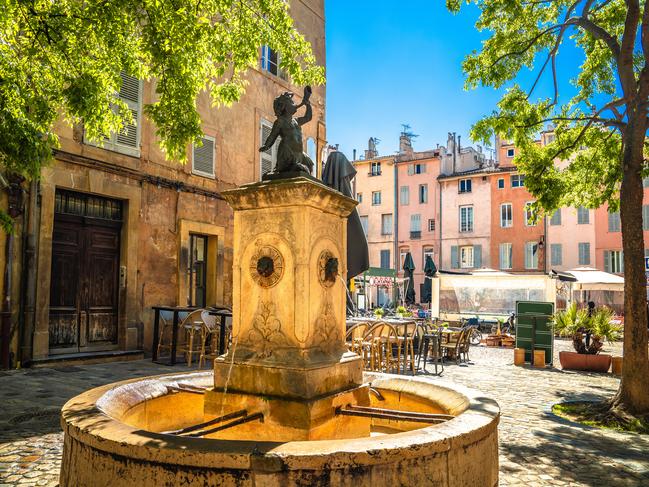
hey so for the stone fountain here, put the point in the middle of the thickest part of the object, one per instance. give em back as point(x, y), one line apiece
point(288, 404)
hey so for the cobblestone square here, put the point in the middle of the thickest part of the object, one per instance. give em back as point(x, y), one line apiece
point(536, 447)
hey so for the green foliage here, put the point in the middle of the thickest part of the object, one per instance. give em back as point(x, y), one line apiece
point(602, 327)
point(378, 312)
point(63, 59)
point(574, 323)
point(402, 310)
point(570, 320)
point(528, 36)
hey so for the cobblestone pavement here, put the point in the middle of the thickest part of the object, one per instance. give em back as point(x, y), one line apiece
point(536, 448)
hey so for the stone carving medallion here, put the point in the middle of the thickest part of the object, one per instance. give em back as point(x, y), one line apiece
point(266, 266)
point(327, 269)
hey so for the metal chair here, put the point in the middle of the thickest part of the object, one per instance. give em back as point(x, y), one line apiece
point(166, 329)
point(431, 342)
point(192, 324)
point(211, 337)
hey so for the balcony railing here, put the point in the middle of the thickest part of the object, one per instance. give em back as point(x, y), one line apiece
point(374, 173)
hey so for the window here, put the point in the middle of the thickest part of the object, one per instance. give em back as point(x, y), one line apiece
point(510, 152)
point(466, 257)
point(375, 169)
point(556, 218)
point(505, 256)
point(416, 169)
point(311, 151)
point(584, 253)
point(203, 157)
point(404, 195)
point(464, 186)
point(529, 214)
point(431, 224)
point(415, 226)
point(386, 224)
point(364, 224)
point(613, 261)
point(270, 62)
point(385, 259)
point(614, 224)
point(402, 256)
point(501, 183)
point(423, 193)
point(428, 252)
point(518, 180)
point(645, 217)
point(556, 257)
point(197, 270)
point(466, 218)
point(359, 197)
point(506, 217)
point(531, 255)
point(583, 216)
point(267, 158)
point(127, 141)
point(376, 198)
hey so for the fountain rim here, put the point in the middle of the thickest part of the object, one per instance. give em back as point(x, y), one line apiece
point(84, 419)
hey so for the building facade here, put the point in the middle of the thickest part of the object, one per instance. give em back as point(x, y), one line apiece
point(111, 231)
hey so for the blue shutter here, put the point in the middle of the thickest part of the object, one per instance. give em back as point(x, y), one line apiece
point(455, 261)
point(607, 261)
point(477, 256)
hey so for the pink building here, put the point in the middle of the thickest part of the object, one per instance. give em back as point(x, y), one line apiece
point(418, 212)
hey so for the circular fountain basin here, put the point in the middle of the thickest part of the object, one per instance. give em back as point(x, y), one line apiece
point(115, 435)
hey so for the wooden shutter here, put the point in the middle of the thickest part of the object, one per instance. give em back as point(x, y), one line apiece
point(411, 169)
point(268, 157)
point(455, 258)
point(130, 94)
point(607, 261)
point(477, 256)
point(203, 158)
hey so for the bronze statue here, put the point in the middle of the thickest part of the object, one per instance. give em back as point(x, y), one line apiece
point(290, 156)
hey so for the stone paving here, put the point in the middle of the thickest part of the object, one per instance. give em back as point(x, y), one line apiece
point(536, 448)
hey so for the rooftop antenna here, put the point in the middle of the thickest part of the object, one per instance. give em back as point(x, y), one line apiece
point(406, 130)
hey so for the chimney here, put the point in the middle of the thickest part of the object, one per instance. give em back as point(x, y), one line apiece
point(405, 144)
point(354, 156)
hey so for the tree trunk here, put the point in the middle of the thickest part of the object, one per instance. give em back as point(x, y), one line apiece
point(633, 394)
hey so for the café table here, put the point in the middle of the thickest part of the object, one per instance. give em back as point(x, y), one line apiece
point(176, 310)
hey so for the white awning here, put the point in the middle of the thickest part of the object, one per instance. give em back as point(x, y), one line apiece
point(590, 279)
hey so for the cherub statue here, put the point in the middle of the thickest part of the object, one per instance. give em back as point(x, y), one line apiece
point(290, 157)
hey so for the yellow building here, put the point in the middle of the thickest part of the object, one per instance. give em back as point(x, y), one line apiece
point(110, 231)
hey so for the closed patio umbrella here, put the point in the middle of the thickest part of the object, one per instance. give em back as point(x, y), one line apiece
point(408, 268)
point(429, 271)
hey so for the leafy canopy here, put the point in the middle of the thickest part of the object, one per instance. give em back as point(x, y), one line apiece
point(63, 58)
point(589, 128)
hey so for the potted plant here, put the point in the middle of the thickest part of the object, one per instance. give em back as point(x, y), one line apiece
point(401, 311)
point(379, 312)
point(588, 334)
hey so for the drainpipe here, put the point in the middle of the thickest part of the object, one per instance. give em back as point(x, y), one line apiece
point(439, 262)
point(396, 230)
point(28, 290)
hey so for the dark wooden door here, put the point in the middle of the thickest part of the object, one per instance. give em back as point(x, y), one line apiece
point(84, 284)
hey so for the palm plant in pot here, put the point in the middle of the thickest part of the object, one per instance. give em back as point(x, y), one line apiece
point(588, 333)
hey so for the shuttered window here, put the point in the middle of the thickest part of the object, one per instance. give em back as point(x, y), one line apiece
point(267, 158)
point(614, 224)
point(583, 216)
point(127, 141)
point(415, 223)
point(404, 195)
point(203, 157)
point(645, 217)
point(556, 218)
point(584, 253)
point(531, 255)
point(505, 256)
point(386, 224)
point(613, 261)
point(556, 254)
point(385, 259)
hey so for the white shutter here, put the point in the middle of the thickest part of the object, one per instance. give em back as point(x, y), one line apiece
point(268, 157)
point(128, 140)
point(203, 158)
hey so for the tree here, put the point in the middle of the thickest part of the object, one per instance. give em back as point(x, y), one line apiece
point(601, 132)
point(63, 59)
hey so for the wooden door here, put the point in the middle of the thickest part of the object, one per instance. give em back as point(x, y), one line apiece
point(84, 285)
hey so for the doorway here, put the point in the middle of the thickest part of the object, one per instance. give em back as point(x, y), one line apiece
point(84, 285)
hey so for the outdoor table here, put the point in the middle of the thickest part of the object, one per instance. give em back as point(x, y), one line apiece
point(176, 310)
point(224, 314)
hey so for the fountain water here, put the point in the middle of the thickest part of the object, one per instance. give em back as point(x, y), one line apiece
point(288, 404)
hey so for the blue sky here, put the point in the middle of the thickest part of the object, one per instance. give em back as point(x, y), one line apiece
point(391, 62)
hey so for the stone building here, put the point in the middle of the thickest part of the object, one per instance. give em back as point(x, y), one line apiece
point(108, 232)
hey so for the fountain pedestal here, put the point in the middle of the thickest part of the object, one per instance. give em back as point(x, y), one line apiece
point(288, 358)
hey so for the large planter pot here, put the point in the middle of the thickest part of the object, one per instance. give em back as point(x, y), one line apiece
point(580, 361)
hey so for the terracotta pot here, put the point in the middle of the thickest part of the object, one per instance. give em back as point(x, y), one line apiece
point(580, 361)
point(539, 358)
point(519, 356)
point(616, 365)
